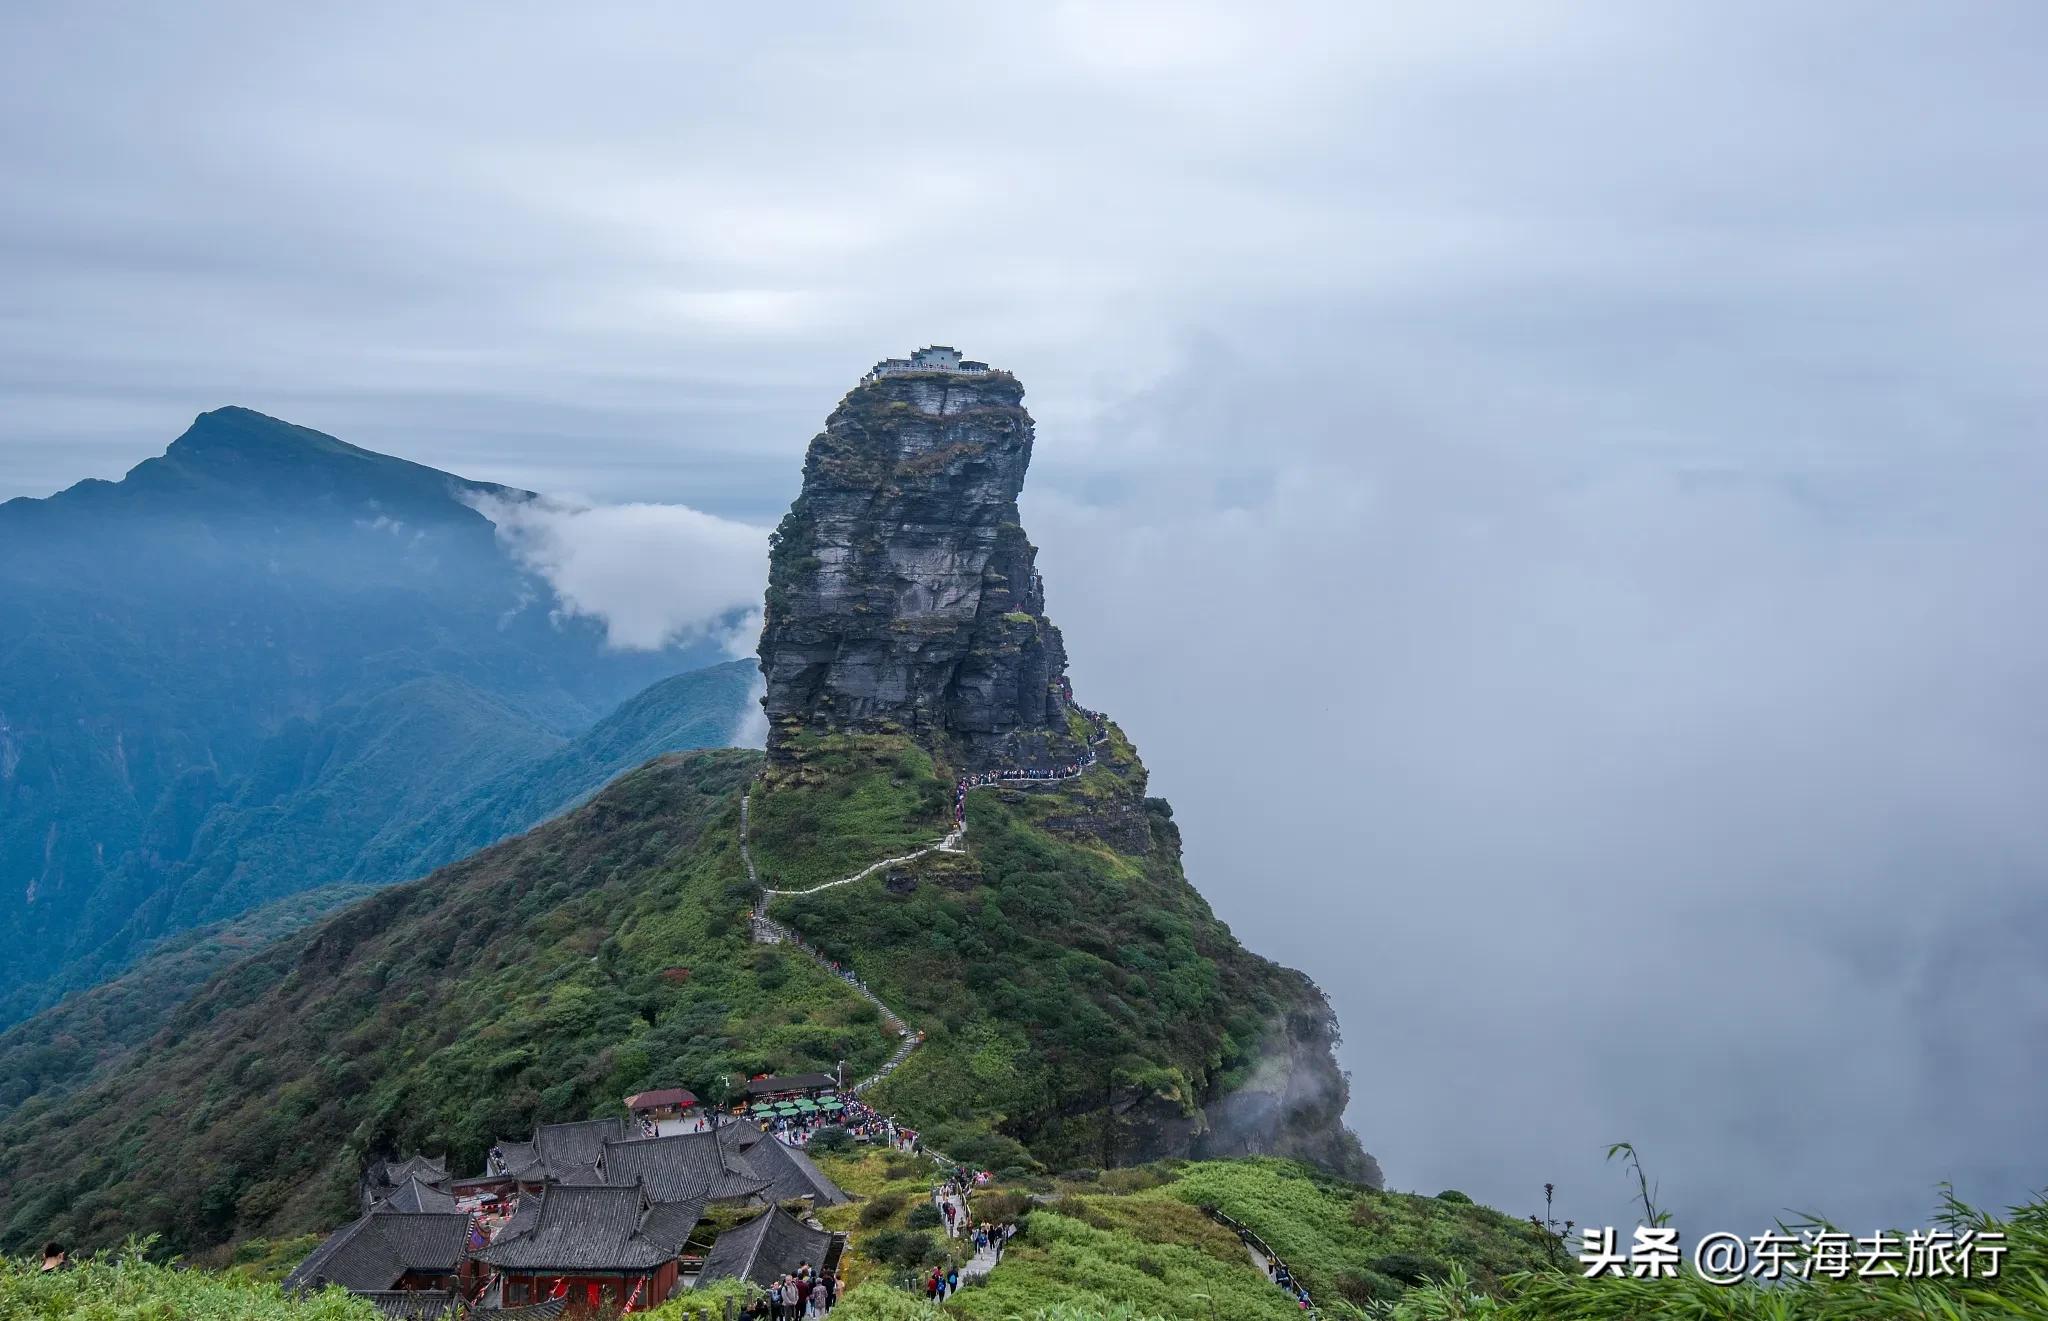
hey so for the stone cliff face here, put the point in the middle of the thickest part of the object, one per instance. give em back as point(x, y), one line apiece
point(903, 600)
point(902, 592)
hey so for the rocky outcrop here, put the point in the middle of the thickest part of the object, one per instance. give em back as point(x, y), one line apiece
point(903, 599)
point(1292, 1103)
point(902, 594)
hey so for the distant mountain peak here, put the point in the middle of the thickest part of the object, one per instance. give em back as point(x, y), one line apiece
point(238, 458)
point(245, 428)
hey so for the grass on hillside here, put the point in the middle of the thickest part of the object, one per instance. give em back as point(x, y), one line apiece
point(887, 1234)
point(125, 1286)
point(847, 801)
point(1095, 1254)
point(1064, 957)
point(1350, 1242)
point(1137, 1242)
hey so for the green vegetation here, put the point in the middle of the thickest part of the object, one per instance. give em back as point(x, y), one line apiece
point(79, 1039)
point(1065, 958)
point(1348, 1242)
point(1097, 1253)
point(269, 1260)
point(891, 1220)
point(1132, 1245)
point(850, 800)
point(542, 979)
point(128, 1287)
point(91, 1032)
point(1137, 1242)
point(706, 1302)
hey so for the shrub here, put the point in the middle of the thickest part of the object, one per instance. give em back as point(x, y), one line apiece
point(1364, 1286)
point(999, 1207)
point(1411, 1268)
point(896, 1247)
point(1134, 1180)
point(127, 1286)
point(879, 1209)
point(832, 1138)
point(1453, 1195)
point(924, 1217)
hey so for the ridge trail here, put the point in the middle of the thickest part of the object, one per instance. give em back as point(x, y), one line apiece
point(768, 931)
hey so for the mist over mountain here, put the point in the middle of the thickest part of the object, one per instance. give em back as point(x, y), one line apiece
point(266, 661)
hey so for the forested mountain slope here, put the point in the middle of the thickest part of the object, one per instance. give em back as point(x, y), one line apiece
point(73, 1041)
point(237, 666)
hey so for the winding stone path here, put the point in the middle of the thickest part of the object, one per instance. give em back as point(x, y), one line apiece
point(984, 1261)
point(767, 931)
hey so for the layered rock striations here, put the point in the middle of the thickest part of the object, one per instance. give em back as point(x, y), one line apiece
point(902, 590)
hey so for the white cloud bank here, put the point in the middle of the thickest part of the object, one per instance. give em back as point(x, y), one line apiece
point(653, 574)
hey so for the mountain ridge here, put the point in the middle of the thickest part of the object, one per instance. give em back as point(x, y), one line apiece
point(205, 624)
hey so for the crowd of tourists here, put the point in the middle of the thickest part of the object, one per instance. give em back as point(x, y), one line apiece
point(860, 1123)
point(1098, 731)
point(802, 1294)
point(950, 1195)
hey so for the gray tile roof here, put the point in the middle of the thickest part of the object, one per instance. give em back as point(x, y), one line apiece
point(519, 1156)
point(791, 1173)
point(685, 1167)
point(583, 1228)
point(413, 1195)
point(413, 1304)
point(542, 1311)
point(524, 1212)
point(375, 1252)
point(563, 1146)
point(671, 1223)
point(767, 1247)
point(431, 1169)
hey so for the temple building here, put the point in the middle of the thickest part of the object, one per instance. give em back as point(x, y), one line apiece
point(768, 1247)
point(933, 358)
point(584, 1217)
point(390, 1251)
point(596, 1247)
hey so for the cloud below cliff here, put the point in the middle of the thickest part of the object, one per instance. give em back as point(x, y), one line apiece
point(652, 574)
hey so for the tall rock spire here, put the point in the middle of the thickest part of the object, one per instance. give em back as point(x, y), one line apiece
point(902, 592)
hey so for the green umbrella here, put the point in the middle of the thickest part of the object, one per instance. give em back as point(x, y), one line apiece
point(831, 1105)
point(806, 1103)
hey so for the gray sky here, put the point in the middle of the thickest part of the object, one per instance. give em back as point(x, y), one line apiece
point(1554, 490)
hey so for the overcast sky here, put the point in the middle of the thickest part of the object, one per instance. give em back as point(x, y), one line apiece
point(1554, 491)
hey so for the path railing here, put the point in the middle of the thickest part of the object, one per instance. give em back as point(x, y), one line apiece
point(1250, 1238)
